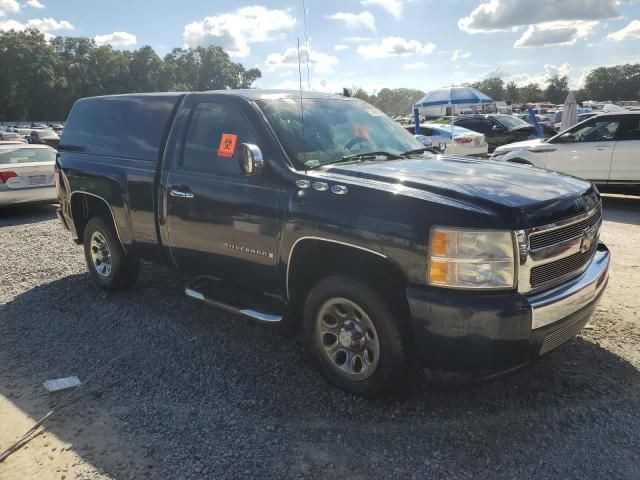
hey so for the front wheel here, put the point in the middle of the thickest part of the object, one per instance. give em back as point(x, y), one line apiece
point(353, 337)
point(109, 266)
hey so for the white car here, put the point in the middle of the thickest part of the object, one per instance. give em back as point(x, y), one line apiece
point(465, 141)
point(26, 174)
point(604, 149)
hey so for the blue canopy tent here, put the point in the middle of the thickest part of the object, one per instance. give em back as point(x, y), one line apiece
point(454, 96)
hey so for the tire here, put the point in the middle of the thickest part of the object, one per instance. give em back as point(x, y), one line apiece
point(382, 365)
point(113, 269)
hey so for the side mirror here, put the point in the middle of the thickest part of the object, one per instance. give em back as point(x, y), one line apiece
point(567, 138)
point(250, 158)
point(497, 128)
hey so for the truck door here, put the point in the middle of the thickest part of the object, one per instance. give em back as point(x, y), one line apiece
point(222, 223)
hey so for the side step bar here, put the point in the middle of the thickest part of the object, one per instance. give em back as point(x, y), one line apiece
point(204, 290)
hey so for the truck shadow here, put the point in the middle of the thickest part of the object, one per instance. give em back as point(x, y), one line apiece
point(169, 374)
point(26, 214)
point(621, 208)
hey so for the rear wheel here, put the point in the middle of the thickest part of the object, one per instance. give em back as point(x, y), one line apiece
point(353, 337)
point(107, 262)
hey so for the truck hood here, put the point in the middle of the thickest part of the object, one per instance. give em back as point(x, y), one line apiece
point(528, 195)
point(525, 145)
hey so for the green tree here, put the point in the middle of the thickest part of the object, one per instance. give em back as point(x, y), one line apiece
point(557, 89)
point(531, 93)
point(40, 80)
point(397, 101)
point(621, 82)
point(493, 86)
point(512, 92)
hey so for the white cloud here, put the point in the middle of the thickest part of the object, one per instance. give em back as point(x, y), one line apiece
point(415, 66)
point(496, 15)
point(8, 6)
point(45, 25)
point(235, 31)
point(34, 4)
point(550, 70)
point(459, 55)
point(358, 39)
point(318, 61)
point(317, 84)
point(394, 7)
point(395, 47)
point(356, 20)
point(629, 32)
point(340, 47)
point(116, 39)
point(555, 33)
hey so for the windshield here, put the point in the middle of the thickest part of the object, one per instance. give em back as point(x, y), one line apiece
point(510, 121)
point(15, 155)
point(334, 129)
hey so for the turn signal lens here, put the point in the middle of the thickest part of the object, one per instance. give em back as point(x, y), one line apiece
point(439, 271)
point(439, 241)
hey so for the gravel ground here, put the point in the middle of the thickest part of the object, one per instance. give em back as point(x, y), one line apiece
point(187, 391)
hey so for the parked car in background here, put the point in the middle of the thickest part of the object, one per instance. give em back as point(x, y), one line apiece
point(12, 137)
point(57, 127)
point(500, 129)
point(465, 141)
point(604, 149)
point(44, 137)
point(581, 112)
point(26, 174)
point(543, 120)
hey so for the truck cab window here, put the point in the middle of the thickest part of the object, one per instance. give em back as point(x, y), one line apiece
point(214, 133)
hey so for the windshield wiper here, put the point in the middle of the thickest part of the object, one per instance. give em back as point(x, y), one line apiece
point(363, 156)
point(418, 150)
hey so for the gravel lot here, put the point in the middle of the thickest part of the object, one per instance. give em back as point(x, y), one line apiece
point(192, 392)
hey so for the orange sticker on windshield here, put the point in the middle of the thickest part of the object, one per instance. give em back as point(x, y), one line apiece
point(360, 130)
point(227, 145)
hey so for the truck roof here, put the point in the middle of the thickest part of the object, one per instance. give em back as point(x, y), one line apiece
point(250, 94)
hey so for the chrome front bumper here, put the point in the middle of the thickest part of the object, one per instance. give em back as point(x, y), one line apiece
point(559, 302)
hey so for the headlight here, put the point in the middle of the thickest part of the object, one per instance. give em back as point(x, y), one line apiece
point(471, 259)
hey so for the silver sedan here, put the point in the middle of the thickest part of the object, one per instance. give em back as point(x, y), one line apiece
point(26, 174)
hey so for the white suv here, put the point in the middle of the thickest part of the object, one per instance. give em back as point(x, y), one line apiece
point(604, 149)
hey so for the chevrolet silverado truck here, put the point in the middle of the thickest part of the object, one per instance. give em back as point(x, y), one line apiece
point(319, 212)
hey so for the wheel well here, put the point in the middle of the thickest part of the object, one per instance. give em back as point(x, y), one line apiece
point(84, 207)
point(313, 260)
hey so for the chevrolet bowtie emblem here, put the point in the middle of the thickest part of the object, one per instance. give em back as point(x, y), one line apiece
point(588, 237)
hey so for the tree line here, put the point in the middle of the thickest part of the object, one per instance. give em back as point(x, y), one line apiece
point(41, 79)
point(621, 82)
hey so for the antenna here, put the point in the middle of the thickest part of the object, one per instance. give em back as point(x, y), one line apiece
point(301, 103)
point(306, 43)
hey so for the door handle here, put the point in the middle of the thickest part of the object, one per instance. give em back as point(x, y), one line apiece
point(176, 192)
point(603, 147)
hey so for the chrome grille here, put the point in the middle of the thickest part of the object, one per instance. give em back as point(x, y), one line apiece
point(563, 334)
point(549, 272)
point(551, 254)
point(550, 237)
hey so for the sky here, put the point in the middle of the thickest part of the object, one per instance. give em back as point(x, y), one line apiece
point(423, 44)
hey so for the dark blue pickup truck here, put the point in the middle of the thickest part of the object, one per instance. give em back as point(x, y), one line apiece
point(318, 211)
